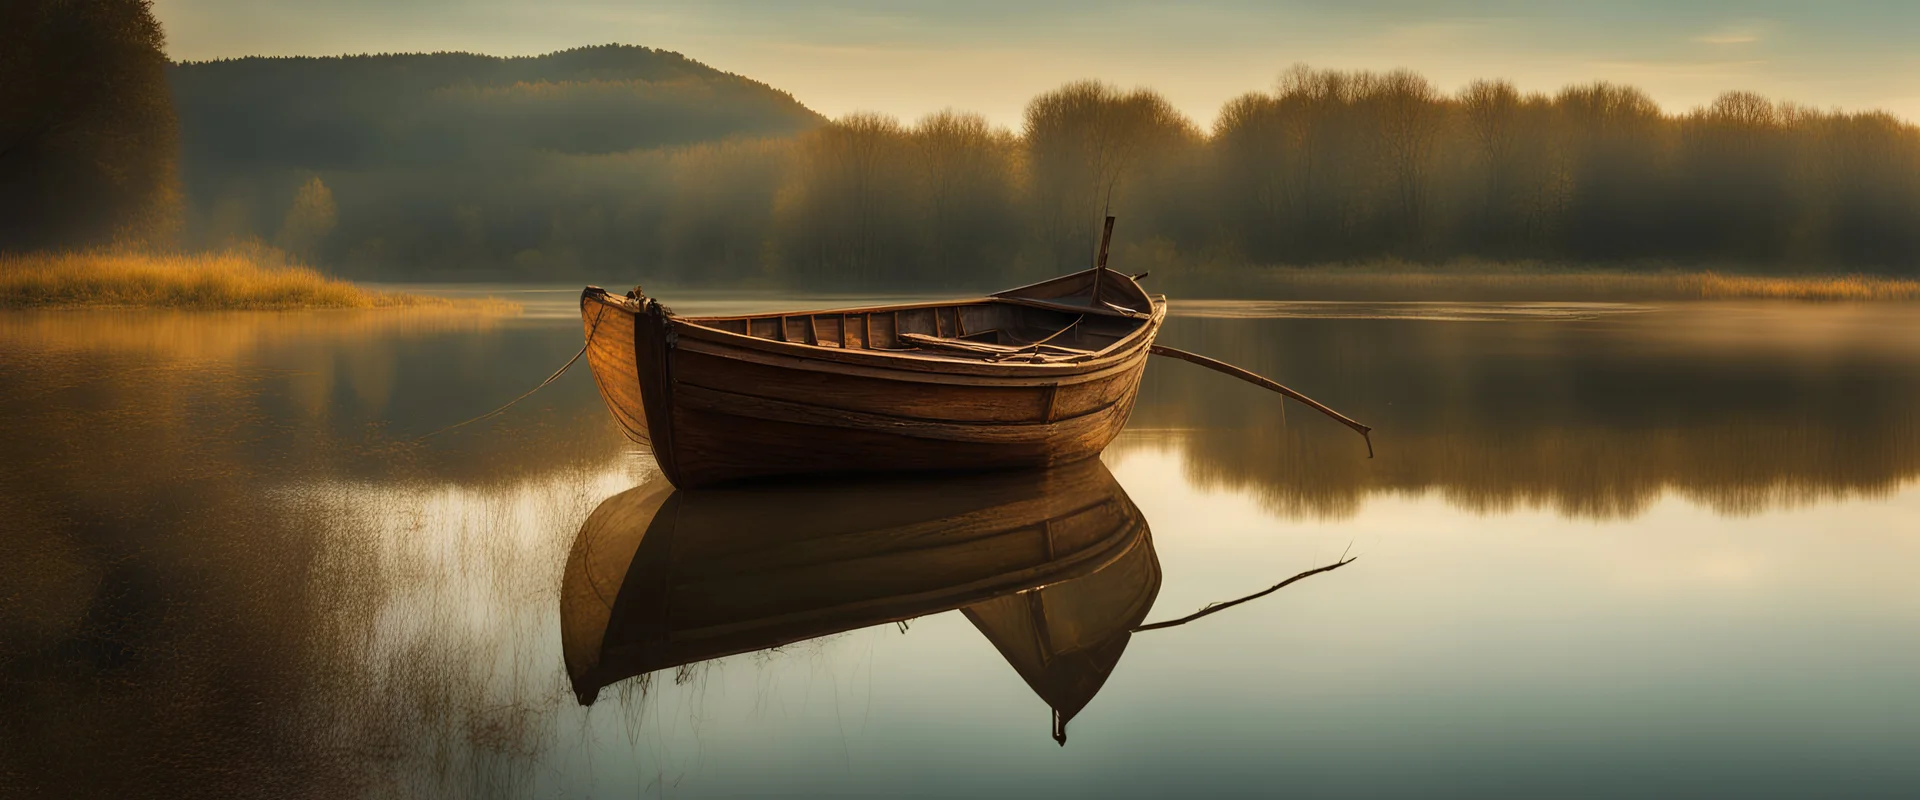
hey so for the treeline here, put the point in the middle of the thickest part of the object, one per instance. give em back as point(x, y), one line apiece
point(624, 160)
point(863, 200)
point(1352, 166)
point(534, 181)
point(1336, 165)
point(88, 139)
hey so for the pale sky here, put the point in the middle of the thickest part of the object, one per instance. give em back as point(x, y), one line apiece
point(992, 56)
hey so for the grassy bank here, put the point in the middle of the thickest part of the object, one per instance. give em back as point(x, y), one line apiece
point(244, 278)
point(1528, 281)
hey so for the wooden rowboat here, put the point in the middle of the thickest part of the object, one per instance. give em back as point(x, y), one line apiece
point(1038, 376)
point(659, 578)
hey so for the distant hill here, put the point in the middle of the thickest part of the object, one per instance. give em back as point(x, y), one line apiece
point(361, 112)
point(383, 162)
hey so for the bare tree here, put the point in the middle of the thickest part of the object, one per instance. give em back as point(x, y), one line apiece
point(1085, 142)
point(966, 171)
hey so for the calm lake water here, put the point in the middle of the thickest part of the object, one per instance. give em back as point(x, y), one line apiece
point(1605, 550)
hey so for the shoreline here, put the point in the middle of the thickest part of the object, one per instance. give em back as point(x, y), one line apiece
point(259, 278)
point(246, 278)
point(1402, 283)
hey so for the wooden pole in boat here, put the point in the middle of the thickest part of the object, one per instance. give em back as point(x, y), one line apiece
point(1265, 383)
point(1100, 263)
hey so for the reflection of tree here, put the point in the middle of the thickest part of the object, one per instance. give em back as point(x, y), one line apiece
point(196, 578)
point(349, 388)
point(214, 567)
point(1592, 421)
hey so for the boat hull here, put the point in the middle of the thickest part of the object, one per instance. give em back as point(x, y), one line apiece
point(718, 408)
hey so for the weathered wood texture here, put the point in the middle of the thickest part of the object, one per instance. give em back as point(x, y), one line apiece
point(658, 578)
point(722, 399)
point(609, 332)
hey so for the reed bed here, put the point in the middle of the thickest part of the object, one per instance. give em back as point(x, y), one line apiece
point(1841, 287)
point(236, 279)
point(1478, 281)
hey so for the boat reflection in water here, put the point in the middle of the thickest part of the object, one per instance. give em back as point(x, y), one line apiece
point(1055, 567)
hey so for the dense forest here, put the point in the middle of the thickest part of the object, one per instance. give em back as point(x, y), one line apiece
point(616, 161)
point(620, 161)
point(87, 135)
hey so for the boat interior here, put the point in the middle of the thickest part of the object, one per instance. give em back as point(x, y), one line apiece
point(1066, 319)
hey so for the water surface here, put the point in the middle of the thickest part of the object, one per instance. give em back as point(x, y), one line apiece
point(1604, 550)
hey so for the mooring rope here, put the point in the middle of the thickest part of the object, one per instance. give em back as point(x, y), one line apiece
point(591, 329)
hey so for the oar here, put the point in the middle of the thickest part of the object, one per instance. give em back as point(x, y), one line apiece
point(1264, 383)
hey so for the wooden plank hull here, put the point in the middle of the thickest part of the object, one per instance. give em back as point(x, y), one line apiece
point(719, 405)
point(658, 577)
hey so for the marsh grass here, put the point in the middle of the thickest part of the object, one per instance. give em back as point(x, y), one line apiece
point(1811, 287)
point(1395, 280)
point(244, 278)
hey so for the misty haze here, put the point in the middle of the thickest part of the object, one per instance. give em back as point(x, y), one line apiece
point(1004, 400)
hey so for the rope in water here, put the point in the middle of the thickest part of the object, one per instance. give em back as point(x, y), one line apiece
point(591, 329)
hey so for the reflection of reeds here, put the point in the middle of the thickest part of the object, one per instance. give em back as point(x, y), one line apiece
point(223, 336)
point(1477, 281)
point(234, 279)
point(430, 607)
point(1842, 287)
point(196, 576)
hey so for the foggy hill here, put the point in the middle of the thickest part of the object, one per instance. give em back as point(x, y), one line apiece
point(618, 163)
point(401, 149)
point(357, 112)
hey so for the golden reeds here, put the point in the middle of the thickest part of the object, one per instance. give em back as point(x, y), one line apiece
point(1811, 287)
point(240, 278)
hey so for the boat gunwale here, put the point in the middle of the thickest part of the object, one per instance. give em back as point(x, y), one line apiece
point(914, 361)
point(891, 371)
point(973, 301)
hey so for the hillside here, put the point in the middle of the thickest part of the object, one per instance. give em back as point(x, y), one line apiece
point(357, 112)
point(621, 163)
point(416, 128)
